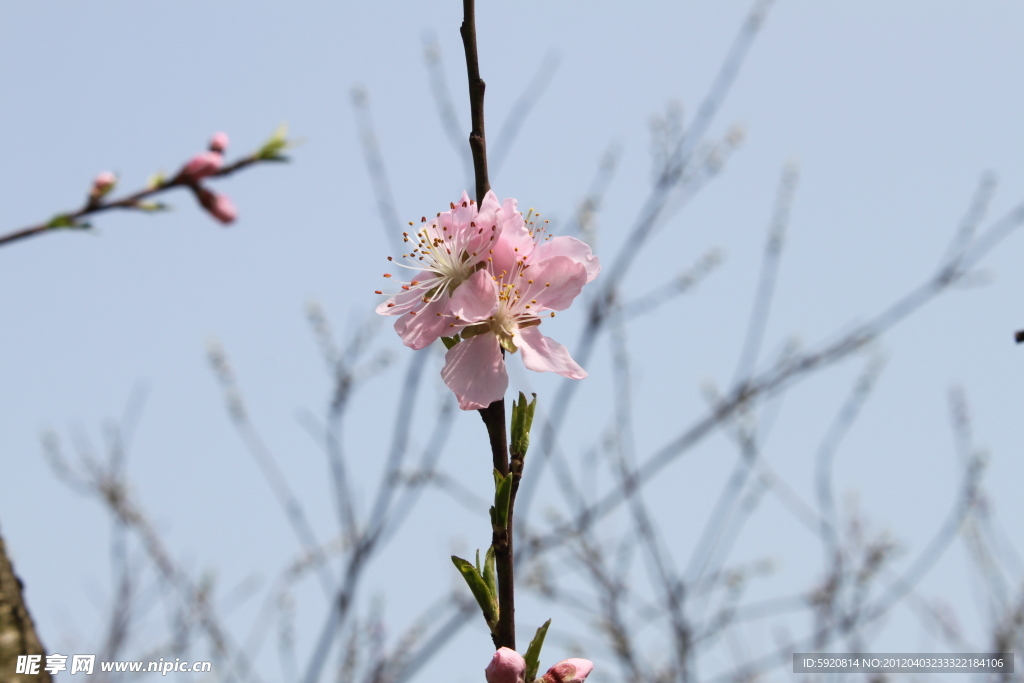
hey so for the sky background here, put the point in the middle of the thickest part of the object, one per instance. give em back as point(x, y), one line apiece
point(892, 111)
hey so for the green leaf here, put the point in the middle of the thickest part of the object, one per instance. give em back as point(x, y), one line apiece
point(449, 342)
point(477, 585)
point(490, 575)
point(522, 421)
point(502, 499)
point(530, 410)
point(61, 220)
point(156, 180)
point(533, 652)
point(272, 148)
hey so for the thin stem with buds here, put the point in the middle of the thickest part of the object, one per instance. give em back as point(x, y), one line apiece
point(493, 415)
point(132, 201)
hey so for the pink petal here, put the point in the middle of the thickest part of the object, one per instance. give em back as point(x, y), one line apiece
point(556, 282)
point(543, 354)
point(572, 248)
point(406, 300)
point(475, 299)
point(475, 371)
point(422, 328)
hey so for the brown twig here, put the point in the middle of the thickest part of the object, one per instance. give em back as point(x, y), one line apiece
point(493, 415)
point(132, 201)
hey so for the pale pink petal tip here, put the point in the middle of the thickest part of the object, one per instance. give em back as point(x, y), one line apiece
point(569, 671)
point(507, 666)
point(219, 142)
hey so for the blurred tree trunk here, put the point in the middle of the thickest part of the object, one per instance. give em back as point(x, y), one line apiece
point(17, 633)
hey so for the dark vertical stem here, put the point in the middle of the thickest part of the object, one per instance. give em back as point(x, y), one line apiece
point(494, 414)
point(477, 139)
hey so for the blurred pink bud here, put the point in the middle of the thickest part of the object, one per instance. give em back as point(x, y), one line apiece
point(507, 666)
point(569, 671)
point(201, 166)
point(219, 142)
point(219, 206)
point(104, 182)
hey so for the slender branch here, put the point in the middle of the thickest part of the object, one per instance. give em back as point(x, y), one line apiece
point(132, 201)
point(477, 139)
point(493, 415)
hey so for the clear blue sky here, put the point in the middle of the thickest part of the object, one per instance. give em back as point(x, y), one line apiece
point(892, 111)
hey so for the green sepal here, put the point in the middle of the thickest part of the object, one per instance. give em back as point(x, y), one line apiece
point(502, 499)
point(449, 342)
point(63, 220)
point(488, 602)
point(533, 652)
point(156, 180)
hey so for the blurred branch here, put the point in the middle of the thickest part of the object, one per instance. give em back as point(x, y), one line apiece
point(520, 109)
point(443, 99)
point(378, 172)
point(136, 200)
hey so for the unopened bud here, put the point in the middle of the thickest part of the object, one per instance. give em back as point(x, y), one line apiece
point(569, 671)
point(102, 184)
point(219, 206)
point(507, 666)
point(219, 142)
point(201, 166)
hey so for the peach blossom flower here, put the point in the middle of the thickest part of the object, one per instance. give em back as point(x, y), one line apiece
point(500, 307)
point(445, 253)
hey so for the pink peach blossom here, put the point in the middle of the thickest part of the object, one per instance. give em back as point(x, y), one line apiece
point(445, 253)
point(507, 666)
point(569, 671)
point(502, 311)
point(528, 274)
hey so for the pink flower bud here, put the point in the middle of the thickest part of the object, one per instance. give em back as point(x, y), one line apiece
point(104, 183)
point(569, 671)
point(219, 142)
point(219, 206)
point(507, 666)
point(201, 166)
